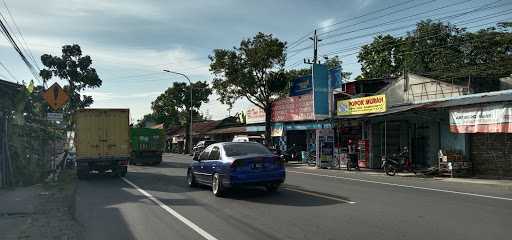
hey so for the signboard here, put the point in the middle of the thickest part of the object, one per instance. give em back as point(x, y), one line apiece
point(324, 144)
point(335, 78)
point(320, 91)
point(55, 117)
point(55, 96)
point(255, 115)
point(301, 85)
point(372, 104)
point(277, 130)
point(496, 118)
point(296, 108)
point(308, 125)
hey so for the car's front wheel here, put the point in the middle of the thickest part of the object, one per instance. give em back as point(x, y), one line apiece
point(217, 188)
point(191, 179)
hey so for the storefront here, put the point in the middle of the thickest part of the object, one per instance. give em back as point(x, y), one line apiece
point(352, 127)
point(489, 127)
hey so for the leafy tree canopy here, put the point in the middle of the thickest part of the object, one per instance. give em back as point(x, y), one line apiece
point(77, 70)
point(172, 106)
point(254, 71)
point(442, 51)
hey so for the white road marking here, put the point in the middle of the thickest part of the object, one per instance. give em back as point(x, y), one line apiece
point(405, 186)
point(319, 195)
point(172, 212)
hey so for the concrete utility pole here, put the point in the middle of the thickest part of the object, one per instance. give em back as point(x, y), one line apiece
point(190, 110)
point(315, 40)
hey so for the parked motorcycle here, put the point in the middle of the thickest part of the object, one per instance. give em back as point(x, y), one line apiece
point(397, 163)
point(292, 154)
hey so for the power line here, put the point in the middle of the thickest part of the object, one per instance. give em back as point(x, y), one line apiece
point(9, 37)
point(422, 38)
point(24, 42)
point(305, 37)
point(8, 72)
point(402, 27)
point(460, 23)
point(394, 12)
point(397, 20)
point(428, 36)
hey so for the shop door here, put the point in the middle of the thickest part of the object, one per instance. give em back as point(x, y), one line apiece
point(297, 139)
point(420, 145)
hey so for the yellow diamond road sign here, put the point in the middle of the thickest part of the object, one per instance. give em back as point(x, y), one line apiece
point(55, 96)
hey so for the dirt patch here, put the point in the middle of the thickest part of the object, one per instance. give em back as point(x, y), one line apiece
point(53, 217)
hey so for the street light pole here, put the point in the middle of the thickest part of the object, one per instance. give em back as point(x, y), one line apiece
point(190, 110)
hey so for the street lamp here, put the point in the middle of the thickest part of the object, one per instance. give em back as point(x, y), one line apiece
point(190, 125)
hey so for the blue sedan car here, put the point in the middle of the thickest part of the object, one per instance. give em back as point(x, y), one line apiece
point(233, 164)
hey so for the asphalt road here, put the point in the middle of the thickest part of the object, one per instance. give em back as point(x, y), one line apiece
point(313, 204)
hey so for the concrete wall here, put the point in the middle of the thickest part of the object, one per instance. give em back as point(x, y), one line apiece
point(491, 154)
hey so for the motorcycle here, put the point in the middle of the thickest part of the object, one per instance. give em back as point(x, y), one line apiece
point(352, 162)
point(397, 163)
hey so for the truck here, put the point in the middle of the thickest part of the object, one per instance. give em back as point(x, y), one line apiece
point(147, 145)
point(102, 141)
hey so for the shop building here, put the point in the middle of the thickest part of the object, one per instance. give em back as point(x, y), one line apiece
point(396, 116)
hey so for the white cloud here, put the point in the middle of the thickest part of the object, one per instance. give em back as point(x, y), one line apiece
point(178, 59)
point(326, 24)
point(364, 3)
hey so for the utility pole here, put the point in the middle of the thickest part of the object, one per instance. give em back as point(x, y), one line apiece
point(315, 40)
point(190, 124)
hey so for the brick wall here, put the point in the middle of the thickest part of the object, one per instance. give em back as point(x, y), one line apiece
point(492, 154)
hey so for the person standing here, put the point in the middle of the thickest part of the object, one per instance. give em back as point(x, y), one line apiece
point(352, 154)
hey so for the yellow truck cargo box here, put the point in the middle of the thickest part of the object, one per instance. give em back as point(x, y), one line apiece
point(102, 134)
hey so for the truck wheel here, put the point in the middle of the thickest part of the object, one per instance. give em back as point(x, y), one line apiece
point(82, 174)
point(122, 171)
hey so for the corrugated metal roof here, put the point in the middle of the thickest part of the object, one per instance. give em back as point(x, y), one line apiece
point(490, 97)
point(399, 109)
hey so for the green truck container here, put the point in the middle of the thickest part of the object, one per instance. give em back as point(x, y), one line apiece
point(147, 145)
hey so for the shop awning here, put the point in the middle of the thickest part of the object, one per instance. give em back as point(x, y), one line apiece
point(491, 97)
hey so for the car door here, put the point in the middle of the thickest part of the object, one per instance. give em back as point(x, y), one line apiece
point(200, 171)
point(213, 164)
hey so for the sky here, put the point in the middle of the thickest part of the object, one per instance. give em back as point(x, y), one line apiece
point(132, 41)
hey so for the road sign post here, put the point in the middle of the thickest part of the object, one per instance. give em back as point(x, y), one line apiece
point(55, 96)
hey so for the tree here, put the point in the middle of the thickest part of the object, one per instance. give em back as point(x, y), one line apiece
point(336, 62)
point(146, 119)
point(173, 106)
point(254, 71)
point(77, 70)
point(380, 58)
point(442, 51)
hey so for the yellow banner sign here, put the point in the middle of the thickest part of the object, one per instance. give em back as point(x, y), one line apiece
point(372, 104)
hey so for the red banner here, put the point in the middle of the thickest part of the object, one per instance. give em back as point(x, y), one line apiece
point(296, 108)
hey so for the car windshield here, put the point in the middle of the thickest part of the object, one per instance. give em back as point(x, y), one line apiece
point(242, 149)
